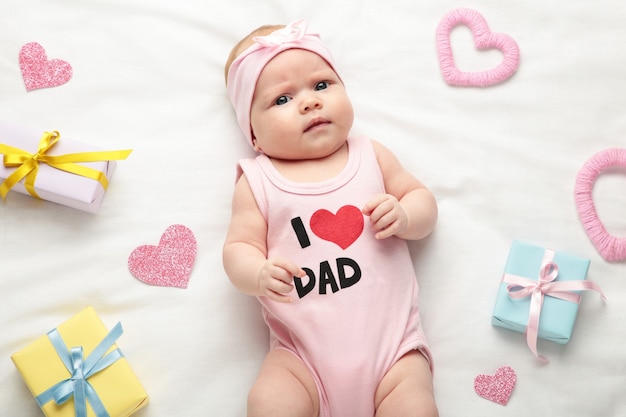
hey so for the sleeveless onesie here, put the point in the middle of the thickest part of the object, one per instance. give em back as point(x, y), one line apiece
point(355, 313)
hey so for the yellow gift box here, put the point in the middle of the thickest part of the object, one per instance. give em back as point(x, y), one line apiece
point(79, 365)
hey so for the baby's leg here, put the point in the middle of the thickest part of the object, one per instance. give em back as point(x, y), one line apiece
point(407, 389)
point(284, 387)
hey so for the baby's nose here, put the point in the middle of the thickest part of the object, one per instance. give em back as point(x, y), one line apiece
point(311, 102)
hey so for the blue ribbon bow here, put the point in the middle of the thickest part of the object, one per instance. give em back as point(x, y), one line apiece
point(81, 369)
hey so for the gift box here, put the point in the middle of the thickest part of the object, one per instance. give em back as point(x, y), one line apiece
point(78, 370)
point(61, 170)
point(540, 293)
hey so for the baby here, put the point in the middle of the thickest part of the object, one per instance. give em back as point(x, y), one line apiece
point(317, 234)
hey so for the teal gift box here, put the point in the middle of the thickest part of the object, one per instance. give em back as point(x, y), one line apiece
point(557, 316)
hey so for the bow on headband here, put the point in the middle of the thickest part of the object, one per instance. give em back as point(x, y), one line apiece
point(290, 33)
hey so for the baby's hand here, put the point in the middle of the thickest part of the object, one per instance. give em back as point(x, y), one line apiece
point(387, 216)
point(275, 279)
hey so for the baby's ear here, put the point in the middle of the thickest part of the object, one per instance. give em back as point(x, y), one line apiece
point(255, 146)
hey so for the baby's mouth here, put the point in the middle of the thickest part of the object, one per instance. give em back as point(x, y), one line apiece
point(318, 121)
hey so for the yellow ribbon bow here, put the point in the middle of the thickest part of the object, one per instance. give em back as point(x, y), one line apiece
point(28, 163)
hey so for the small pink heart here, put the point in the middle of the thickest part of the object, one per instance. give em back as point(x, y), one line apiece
point(170, 263)
point(483, 39)
point(496, 388)
point(40, 72)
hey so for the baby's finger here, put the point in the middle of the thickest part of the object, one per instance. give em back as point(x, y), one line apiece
point(382, 222)
point(371, 205)
point(279, 286)
point(291, 269)
point(388, 231)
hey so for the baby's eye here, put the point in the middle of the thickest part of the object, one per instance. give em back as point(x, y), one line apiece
point(322, 85)
point(282, 100)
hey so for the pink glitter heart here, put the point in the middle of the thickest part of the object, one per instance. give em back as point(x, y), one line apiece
point(496, 388)
point(483, 39)
point(170, 263)
point(40, 72)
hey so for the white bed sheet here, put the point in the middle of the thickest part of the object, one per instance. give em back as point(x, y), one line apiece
point(148, 75)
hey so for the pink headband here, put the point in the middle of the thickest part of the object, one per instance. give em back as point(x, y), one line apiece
point(246, 69)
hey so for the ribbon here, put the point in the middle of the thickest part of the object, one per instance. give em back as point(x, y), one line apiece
point(28, 164)
point(294, 31)
point(521, 287)
point(80, 369)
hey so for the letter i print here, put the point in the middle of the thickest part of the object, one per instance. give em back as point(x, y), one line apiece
point(298, 227)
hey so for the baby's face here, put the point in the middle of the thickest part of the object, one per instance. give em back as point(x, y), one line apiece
point(300, 109)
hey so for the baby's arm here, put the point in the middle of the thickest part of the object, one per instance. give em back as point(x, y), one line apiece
point(245, 251)
point(408, 210)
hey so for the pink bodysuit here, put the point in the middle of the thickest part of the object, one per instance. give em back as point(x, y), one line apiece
point(355, 313)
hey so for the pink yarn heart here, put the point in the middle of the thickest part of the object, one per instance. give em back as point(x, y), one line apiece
point(496, 388)
point(483, 39)
point(610, 247)
point(40, 72)
point(170, 263)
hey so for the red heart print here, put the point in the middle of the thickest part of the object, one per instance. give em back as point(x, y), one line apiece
point(170, 263)
point(40, 72)
point(496, 388)
point(483, 39)
point(342, 228)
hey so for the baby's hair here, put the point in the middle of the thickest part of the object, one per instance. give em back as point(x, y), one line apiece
point(246, 42)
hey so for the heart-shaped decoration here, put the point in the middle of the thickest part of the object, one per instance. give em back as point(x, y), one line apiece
point(40, 72)
point(170, 263)
point(498, 387)
point(342, 228)
point(483, 39)
point(611, 248)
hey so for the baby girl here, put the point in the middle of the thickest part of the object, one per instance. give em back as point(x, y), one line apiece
point(318, 233)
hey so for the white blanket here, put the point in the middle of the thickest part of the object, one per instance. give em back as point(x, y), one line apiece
point(501, 160)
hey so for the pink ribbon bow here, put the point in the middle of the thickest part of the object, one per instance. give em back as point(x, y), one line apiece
point(521, 287)
point(292, 32)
